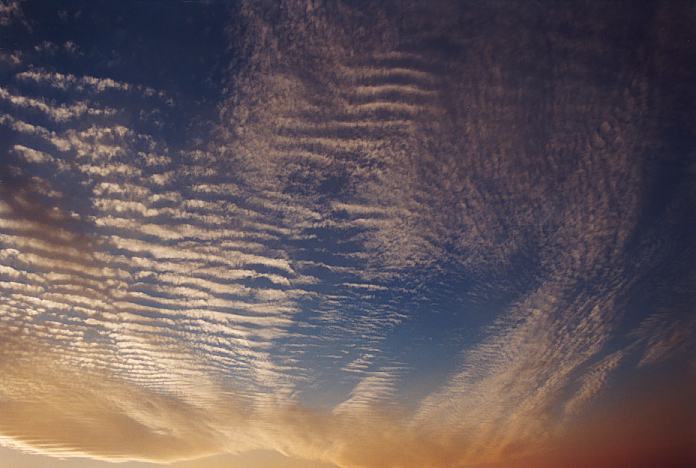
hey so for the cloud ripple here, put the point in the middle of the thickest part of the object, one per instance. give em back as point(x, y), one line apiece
point(164, 301)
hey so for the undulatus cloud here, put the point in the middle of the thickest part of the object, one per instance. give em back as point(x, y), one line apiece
point(385, 234)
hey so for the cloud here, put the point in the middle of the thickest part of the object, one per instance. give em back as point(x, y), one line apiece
point(10, 12)
point(11, 58)
point(58, 408)
point(661, 338)
point(58, 113)
point(644, 427)
point(146, 264)
point(67, 81)
point(363, 186)
point(52, 407)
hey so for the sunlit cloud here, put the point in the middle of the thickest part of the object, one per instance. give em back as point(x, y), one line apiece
point(394, 236)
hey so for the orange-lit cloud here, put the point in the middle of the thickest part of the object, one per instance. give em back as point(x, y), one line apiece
point(49, 408)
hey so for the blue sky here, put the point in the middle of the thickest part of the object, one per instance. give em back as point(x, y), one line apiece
point(349, 234)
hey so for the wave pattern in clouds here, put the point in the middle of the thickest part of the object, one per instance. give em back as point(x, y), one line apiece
point(417, 235)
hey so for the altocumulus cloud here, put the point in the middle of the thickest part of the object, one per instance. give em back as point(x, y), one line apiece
point(414, 235)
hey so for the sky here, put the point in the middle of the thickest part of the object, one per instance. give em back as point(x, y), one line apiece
point(347, 234)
